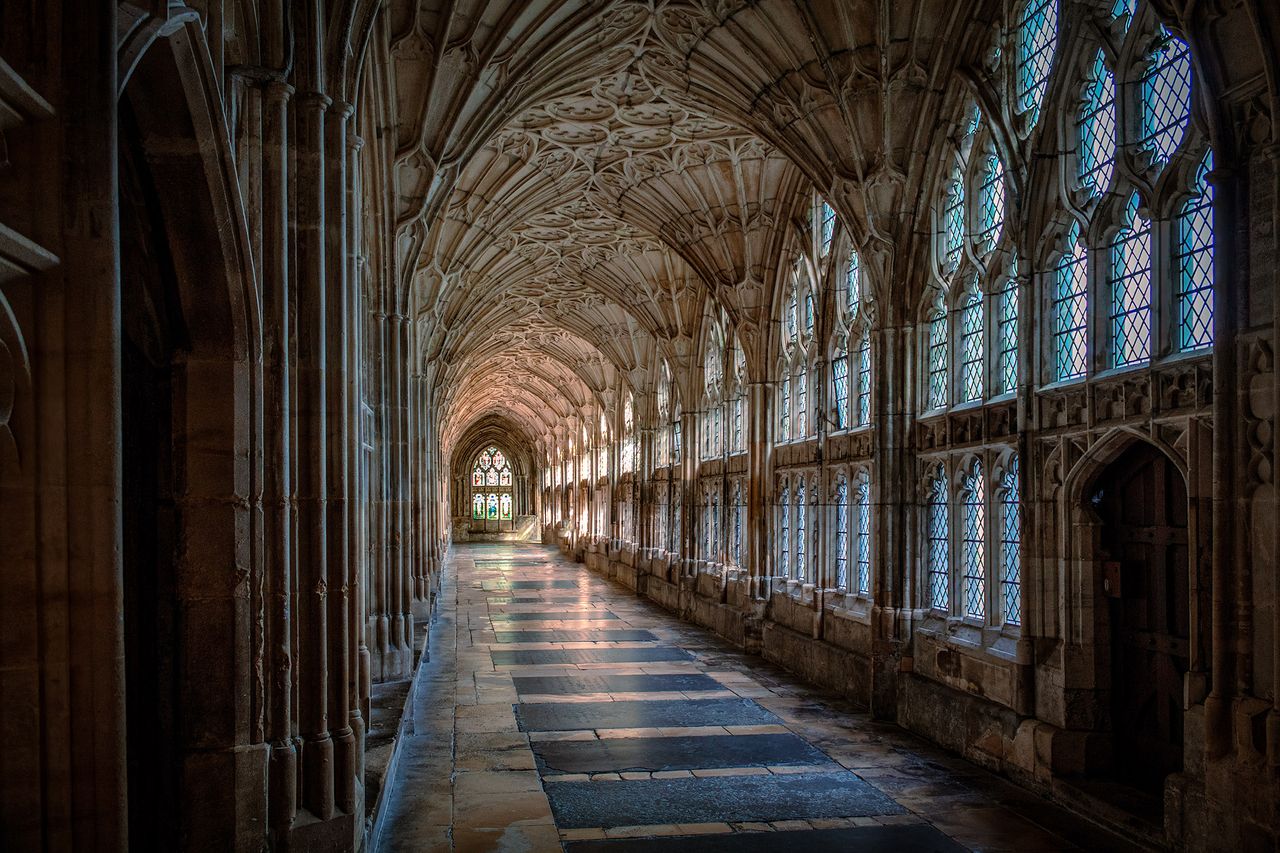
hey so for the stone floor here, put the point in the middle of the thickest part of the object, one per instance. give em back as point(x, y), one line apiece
point(559, 711)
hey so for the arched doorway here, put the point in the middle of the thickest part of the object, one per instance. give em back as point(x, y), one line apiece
point(1141, 501)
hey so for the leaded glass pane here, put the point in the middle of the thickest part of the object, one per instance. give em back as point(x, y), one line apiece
point(939, 536)
point(864, 379)
point(784, 533)
point(991, 202)
point(1165, 100)
point(504, 507)
point(1194, 264)
point(842, 533)
point(784, 410)
point(828, 227)
point(1130, 282)
point(862, 535)
point(1096, 129)
point(953, 222)
point(492, 506)
point(840, 387)
point(971, 348)
point(1123, 12)
point(477, 506)
point(793, 315)
point(973, 544)
point(1070, 309)
point(1037, 41)
point(1007, 334)
point(801, 506)
point(1010, 543)
point(938, 361)
point(738, 439)
point(737, 524)
point(851, 294)
point(808, 315)
point(802, 404)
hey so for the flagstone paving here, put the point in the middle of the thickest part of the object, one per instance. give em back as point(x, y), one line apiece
point(558, 711)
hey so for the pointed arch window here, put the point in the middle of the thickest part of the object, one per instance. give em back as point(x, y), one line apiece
point(973, 543)
point(852, 293)
point(862, 532)
point(826, 227)
point(1070, 308)
point(953, 222)
point(1165, 97)
point(991, 202)
point(1194, 264)
point(491, 482)
point(1096, 129)
point(1007, 334)
point(938, 542)
point(938, 362)
point(840, 387)
point(1130, 284)
point(863, 408)
point(1010, 546)
point(842, 533)
point(1037, 40)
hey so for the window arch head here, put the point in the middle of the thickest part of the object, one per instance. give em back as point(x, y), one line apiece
point(825, 226)
point(1096, 129)
point(1037, 41)
point(1164, 97)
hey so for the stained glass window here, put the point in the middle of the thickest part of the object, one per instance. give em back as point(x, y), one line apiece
point(1007, 336)
point(793, 315)
point(1194, 264)
point(842, 533)
point(802, 404)
point(862, 532)
point(808, 315)
point(828, 225)
point(492, 506)
point(784, 410)
point(973, 543)
point(504, 507)
point(1070, 308)
point(492, 470)
point(1123, 11)
point(991, 202)
point(784, 531)
point(737, 524)
point(713, 552)
point(1130, 283)
point(801, 506)
point(938, 362)
point(939, 539)
point(851, 294)
point(1096, 129)
point(840, 386)
point(953, 222)
point(477, 505)
point(1037, 41)
point(864, 379)
point(1010, 543)
point(1165, 97)
point(739, 442)
point(971, 347)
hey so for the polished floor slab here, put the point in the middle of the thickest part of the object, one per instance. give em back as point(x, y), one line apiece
point(604, 636)
point(635, 714)
point(570, 685)
point(661, 754)
point(673, 742)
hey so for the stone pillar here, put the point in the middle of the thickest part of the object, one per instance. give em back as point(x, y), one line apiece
point(277, 498)
point(310, 295)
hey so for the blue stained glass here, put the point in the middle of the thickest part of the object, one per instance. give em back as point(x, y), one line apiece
point(1010, 544)
point(938, 362)
point(1194, 264)
point(840, 387)
point(864, 379)
point(973, 544)
point(971, 347)
point(1123, 12)
point(1130, 282)
point(1070, 309)
point(1007, 334)
point(851, 294)
point(1165, 97)
point(991, 202)
point(842, 533)
point(953, 222)
point(828, 225)
point(862, 534)
point(1096, 129)
point(801, 562)
point(938, 535)
point(1037, 42)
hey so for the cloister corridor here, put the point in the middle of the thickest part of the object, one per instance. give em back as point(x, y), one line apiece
point(559, 708)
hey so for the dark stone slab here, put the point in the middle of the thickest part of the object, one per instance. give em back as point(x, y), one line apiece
point(571, 716)
point(571, 685)
point(801, 796)
point(620, 636)
point(553, 657)
point(558, 584)
point(916, 838)
point(549, 615)
point(615, 755)
point(506, 598)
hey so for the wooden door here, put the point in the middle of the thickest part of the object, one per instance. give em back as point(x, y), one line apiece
point(1142, 500)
